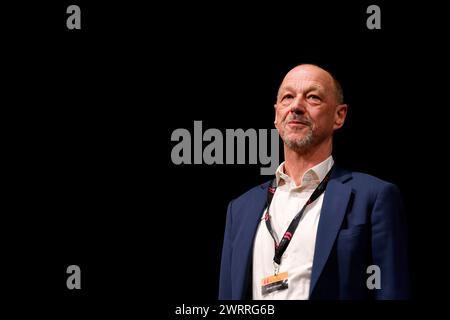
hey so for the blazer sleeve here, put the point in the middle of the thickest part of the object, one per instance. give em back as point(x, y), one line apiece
point(389, 244)
point(225, 266)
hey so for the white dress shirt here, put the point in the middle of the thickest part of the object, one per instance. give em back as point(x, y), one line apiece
point(297, 260)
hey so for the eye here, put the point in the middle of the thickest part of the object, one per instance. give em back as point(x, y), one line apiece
point(288, 97)
point(314, 98)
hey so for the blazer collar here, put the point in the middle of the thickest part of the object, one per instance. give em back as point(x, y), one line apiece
point(336, 198)
point(334, 207)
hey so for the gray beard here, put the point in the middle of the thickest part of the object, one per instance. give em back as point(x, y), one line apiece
point(300, 145)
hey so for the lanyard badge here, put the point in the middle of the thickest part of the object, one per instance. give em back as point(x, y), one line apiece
point(281, 246)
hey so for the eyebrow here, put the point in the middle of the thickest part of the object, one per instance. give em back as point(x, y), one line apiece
point(315, 87)
point(309, 88)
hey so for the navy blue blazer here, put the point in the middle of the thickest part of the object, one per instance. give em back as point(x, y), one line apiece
point(361, 224)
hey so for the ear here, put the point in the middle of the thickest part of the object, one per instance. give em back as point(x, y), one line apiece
point(339, 117)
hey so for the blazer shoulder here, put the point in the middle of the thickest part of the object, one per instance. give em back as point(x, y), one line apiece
point(371, 184)
point(364, 178)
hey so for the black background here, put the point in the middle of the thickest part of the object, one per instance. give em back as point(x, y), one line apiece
point(88, 117)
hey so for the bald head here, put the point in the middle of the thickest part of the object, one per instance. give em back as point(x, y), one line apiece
point(309, 109)
point(317, 73)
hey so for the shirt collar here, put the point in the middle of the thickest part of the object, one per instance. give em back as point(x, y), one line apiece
point(314, 174)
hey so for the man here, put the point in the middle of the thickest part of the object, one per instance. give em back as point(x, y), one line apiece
point(317, 231)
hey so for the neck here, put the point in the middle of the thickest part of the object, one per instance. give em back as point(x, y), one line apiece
point(297, 163)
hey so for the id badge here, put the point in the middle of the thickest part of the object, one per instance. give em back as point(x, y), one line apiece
point(274, 283)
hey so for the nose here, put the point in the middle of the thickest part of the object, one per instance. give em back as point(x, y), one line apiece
point(298, 106)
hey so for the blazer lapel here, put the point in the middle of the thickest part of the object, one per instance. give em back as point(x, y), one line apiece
point(336, 198)
point(256, 206)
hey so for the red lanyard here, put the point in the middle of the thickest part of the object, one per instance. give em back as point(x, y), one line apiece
point(280, 247)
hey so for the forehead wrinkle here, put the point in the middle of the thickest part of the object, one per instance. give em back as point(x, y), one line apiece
point(302, 86)
point(323, 78)
point(303, 80)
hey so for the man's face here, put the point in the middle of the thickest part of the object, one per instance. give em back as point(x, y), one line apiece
point(307, 109)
